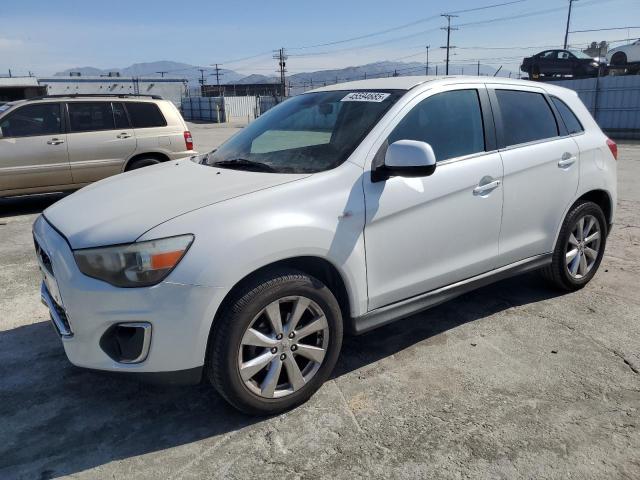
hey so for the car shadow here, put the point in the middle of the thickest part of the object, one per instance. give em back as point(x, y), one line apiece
point(60, 420)
point(28, 204)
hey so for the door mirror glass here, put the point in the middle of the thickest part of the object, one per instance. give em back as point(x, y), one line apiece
point(407, 158)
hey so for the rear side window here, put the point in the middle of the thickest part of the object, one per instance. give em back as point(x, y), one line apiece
point(120, 116)
point(568, 117)
point(145, 115)
point(451, 122)
point(526, 117)
point(90, 116)
point(32, 120)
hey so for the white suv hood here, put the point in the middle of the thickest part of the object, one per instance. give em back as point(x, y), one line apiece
point(121, 208)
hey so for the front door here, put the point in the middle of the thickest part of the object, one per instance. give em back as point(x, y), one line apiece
point(33, 149)
point(425, 233)
point(100, 140)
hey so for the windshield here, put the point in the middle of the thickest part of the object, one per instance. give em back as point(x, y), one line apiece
point(580, 54)
point(305, 134)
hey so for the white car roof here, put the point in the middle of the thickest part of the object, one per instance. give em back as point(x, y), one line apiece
point(407, 83)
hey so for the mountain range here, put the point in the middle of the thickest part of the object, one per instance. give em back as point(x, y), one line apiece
point(192, 74)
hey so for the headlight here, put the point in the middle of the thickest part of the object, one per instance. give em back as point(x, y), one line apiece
point(135, 265)
point(595, 64)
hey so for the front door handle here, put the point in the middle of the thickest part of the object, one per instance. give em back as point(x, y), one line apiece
point(124, 135)
point(566, 160)
point(55, 141)
point(486, 187)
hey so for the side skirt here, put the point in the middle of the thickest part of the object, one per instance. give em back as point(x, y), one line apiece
point(404, 308)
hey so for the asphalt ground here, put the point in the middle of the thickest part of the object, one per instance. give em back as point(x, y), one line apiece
point(511, 381)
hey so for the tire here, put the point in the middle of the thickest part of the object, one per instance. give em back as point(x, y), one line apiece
point(619, 58)
point(535, 72)
point(142, 162)
point(234, 344)
point(570, 273)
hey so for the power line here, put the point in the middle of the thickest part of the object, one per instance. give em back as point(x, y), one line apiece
point(602, 29)
point(475, 9)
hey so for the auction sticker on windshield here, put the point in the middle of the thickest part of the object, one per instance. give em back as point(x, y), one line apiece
point(365, 97)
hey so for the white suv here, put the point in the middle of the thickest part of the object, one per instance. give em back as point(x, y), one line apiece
point(58, 143)
point(341, 209)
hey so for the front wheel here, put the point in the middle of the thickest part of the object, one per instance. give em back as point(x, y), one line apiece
point(579, 249)
point(276, 343)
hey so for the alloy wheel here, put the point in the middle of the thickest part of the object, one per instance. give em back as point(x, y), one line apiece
point(283, 347)
point(583, 246)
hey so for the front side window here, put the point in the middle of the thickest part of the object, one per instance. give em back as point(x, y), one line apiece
point(526, 117)
point(568, 117)
point(145, 115)
point(32, 120)
point(308, 133)
point(90, 116)
point(451, 122)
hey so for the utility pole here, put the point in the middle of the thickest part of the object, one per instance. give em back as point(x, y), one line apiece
point(566, 32)
point(478, 67)
point(162, 73)
point(448, 28)
point(282, 63)
point(202, 70)
point(217, 74)
point(426, 68)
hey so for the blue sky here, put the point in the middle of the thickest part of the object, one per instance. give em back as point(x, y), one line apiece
point(45, 36)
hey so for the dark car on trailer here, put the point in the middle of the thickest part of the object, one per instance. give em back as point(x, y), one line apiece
point(561, 63)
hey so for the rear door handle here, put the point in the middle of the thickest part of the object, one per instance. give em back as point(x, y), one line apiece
point(486, 187)
point(55, 141)
point(567, 160)
point(124, 135)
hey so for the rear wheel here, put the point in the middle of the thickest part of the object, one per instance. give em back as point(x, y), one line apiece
point(142, 162)
point(276, 344)
point(579, 249)
point(619, 58)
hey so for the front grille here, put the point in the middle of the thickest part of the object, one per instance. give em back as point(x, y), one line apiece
point(44, 258)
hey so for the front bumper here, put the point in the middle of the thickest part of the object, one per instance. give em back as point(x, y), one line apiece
point(83, 309)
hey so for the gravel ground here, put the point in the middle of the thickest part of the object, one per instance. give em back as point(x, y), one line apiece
point(511, 381)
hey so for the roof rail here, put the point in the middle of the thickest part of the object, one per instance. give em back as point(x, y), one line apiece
point(81, 95)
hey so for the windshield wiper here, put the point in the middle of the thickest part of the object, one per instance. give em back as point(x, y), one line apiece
point(244, 164)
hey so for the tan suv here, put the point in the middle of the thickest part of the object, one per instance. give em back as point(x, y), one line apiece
point(60, 143)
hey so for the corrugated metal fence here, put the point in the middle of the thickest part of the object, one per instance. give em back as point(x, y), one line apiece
point(614, 101)
point(226, 109)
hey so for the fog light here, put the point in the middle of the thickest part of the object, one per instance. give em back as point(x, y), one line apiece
point(127, 342)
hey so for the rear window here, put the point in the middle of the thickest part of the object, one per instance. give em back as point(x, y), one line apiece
point(526, 117)
point(120, 116)
point(145, 115)
point(90, 116)
point(568, 117)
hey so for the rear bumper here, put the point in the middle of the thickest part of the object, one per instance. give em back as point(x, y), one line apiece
point(179, 316)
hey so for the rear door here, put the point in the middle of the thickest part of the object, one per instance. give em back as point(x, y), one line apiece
point(100, 139)
point(541, 170)
point(33, 148)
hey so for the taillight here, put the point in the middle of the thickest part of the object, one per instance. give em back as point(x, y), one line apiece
point(188, 140)
point(613, 147)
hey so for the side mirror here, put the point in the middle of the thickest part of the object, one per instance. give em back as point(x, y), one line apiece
point(406, 158)
point(1, 134)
